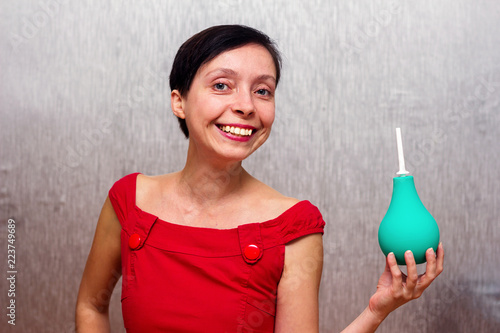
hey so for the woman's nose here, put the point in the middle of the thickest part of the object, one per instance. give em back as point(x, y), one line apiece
point(243, 104)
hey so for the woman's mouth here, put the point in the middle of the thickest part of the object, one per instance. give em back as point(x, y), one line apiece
point(234, 130)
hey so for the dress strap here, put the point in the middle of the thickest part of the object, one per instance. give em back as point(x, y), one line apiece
point(250, 239)
point(122, 197)
point(140, 232)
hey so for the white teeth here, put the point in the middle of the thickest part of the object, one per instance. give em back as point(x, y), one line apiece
point(236, 130)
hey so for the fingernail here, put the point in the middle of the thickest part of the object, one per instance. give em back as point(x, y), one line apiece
point(430, 250)
point(409, 254)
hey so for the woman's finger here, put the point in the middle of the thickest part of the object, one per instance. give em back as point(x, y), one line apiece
point(430, 256)
point(430, 271)
point(411, 267)
point(440, 259)
point(397, 278)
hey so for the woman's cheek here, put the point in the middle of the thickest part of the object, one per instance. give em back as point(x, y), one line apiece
point(270, 118)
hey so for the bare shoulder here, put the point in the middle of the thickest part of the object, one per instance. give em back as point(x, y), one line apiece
point(275, 203)
point(144, 186)
point(150, 187)
point(145, 182)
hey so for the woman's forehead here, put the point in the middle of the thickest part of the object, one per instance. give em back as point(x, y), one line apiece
point(253, 56)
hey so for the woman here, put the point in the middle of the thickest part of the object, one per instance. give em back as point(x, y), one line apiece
point(210, 248)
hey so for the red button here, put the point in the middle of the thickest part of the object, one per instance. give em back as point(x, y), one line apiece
point(134, 241)
point(252, 251)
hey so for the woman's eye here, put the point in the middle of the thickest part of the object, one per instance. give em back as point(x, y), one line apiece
point(220, 86)
point(263, 92)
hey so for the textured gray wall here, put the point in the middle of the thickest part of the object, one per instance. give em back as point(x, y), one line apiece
point(84, 100)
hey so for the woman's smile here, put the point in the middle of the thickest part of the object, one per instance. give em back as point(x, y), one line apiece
point(237, 132)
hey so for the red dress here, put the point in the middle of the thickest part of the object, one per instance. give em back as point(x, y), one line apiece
point(188, 279)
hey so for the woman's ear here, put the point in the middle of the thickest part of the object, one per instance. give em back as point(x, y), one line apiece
point(177, 104)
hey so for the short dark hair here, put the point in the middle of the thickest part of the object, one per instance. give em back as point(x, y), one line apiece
point(208, 44)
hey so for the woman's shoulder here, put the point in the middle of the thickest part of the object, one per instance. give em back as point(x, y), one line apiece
point(274, 202)
point(122, 195)
point(152, 186)
point(135, 184)
point(293, 217)
point(146, 183)
point(124, 188)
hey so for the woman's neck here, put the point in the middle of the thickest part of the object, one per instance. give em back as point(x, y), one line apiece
point(209, 181)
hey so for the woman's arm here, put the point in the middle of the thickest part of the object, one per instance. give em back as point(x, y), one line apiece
point(102, 271)
point(394, 289)
point(297, 303)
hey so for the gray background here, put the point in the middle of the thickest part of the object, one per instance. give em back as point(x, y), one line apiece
point(84, 100)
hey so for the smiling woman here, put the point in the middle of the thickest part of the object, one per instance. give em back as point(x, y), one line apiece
point(209, 43)
point(210, 248)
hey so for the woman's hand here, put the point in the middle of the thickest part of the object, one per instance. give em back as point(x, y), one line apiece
point(395, 289)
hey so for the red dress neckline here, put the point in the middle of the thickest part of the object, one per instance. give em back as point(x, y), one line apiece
point(266, 223)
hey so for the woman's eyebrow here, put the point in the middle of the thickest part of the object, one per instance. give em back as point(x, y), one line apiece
point(231, 72)
point(227, 71)
point(265, 77)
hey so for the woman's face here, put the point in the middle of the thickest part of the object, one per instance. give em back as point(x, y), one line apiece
point(229, 109)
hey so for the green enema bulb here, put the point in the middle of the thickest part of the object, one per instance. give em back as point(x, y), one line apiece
point(407, 225)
